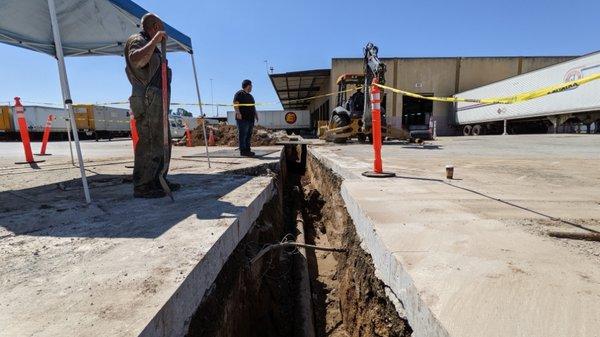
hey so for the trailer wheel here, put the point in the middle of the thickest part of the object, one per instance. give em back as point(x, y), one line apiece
point(362, 138)
point(477, 130)
point(467, 130)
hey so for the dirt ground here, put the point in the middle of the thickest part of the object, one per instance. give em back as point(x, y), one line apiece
point(227, 135)
point(542, 227)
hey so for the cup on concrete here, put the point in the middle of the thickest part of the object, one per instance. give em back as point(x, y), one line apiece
point(449, 172)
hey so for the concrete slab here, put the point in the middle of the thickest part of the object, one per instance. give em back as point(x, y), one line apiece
point(470, 257)
point(121, 266)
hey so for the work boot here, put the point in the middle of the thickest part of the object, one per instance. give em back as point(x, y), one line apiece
point(173, 186)
point(248, 154)
point(149, 193)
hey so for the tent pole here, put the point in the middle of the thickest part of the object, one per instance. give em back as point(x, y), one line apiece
point(69, 132)
point(64, 82)
point(200, 105)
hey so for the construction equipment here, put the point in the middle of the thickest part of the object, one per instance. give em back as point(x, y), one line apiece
point(346, 119)
point(352, 116)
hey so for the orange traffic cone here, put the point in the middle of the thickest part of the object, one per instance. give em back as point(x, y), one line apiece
point(211, 138)
point(24, 131)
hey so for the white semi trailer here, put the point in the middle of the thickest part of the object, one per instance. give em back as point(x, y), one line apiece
point(574, 110)
point(279, 119)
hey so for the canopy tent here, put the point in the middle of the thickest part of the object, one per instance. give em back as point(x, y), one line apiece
point(79, 28)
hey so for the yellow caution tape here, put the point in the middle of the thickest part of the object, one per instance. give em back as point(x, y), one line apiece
point(218, 104)
point(237, 105)
point(521, 97)
point(268, 103)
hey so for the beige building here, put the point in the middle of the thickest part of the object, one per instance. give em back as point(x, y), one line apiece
point(440, 76)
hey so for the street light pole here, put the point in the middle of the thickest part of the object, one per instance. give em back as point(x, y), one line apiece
point(212, 99)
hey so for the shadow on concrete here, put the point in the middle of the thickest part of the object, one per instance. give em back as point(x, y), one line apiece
point(58, 209)
point(566, 222)
point(508, 203)
point(423, 147)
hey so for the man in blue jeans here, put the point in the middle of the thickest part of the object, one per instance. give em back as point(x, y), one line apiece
point(245, 115)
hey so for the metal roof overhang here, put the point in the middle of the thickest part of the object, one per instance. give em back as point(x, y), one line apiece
point(297, 85)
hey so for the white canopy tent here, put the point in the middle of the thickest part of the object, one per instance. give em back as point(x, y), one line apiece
point(79, 28)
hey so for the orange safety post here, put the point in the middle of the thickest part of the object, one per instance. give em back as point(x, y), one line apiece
point(46, 136)
point(133, 129)
point(20, 111)
point(188, 135)
point(376, 135)
point(211, 138)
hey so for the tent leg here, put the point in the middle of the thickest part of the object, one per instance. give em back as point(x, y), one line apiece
point(69, 135)
point(200, 105)
point(64, 83)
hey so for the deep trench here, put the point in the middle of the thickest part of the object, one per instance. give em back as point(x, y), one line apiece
point(266, 297)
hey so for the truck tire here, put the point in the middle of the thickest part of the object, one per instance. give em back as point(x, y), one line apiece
point(477, 130)
point(467, 130)
point(340, 120)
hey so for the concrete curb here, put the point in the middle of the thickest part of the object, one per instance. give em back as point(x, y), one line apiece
point(174, 317)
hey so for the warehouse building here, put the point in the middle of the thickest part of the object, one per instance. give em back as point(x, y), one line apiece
point(439, 76)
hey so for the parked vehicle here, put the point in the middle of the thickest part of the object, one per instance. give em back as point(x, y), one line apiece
point(578, 105)
point(91, 120)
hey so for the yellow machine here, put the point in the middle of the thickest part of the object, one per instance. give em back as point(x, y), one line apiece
point(352, 116)
point(345, 121)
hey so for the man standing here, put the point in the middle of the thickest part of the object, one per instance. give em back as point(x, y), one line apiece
point(143, 60)
point(245, 115)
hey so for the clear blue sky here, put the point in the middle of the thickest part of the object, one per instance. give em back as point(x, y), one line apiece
point(232, 39)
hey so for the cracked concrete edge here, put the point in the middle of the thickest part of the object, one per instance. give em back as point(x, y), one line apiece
point(392, 274)
point(174, 317)
point(333, 165)
point(387, 267)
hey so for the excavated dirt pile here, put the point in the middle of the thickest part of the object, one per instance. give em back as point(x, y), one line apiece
point(227, 135)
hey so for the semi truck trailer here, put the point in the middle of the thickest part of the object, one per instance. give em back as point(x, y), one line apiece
point(92, 121)
point(574, 110)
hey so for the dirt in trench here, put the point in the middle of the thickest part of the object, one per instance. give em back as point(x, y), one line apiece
point(250, 299)
point(257, 300)
point(262, 299)
point(348, 299)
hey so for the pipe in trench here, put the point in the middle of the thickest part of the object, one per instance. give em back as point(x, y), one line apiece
point(304, 301)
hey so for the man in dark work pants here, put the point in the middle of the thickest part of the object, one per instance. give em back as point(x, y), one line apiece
point(143, 59)
point(245, 115)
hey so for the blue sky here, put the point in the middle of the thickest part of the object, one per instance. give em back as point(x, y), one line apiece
point(232, 39)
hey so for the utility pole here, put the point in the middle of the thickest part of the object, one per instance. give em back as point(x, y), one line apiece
point(212, 99)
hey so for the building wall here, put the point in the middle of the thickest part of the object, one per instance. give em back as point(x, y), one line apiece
point(428, 76)
point(535, 63)
point(441, 77)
